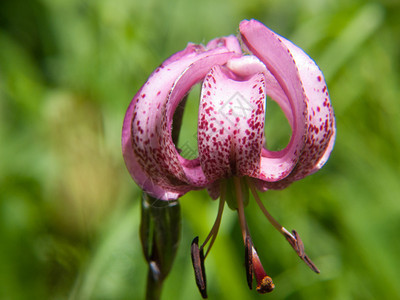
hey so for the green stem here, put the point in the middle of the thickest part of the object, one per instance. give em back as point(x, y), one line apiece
point(159, 235)
point(153, 287)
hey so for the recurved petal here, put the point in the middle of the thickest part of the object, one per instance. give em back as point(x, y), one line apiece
point(186, 170)
point(270, 49)
point(133, 162)
point(321, 129)
point(319, 117)
point(231, 124)
point(144, 127)
point(249, 65)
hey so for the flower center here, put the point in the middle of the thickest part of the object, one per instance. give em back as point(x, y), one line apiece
point(234, 191)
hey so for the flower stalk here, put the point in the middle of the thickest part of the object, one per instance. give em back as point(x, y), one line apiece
point(159, 234)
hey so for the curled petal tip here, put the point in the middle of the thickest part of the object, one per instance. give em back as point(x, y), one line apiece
point(252, 22)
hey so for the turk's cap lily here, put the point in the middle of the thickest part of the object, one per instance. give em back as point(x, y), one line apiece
point(236, 77)
point(230, 138)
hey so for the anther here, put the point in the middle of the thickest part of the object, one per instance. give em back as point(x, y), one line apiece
point(248, 261)
point(298, 246)
point(198, 266)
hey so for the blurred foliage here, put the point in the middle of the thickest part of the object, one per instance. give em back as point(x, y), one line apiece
point(69, 211)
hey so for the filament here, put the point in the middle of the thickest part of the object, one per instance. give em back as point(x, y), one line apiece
point(214, 230)
point(270, 218)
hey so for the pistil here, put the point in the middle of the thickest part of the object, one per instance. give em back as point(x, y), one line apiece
point(240, 208)
point(252, 261)
point(264, 282)
point(197, 253)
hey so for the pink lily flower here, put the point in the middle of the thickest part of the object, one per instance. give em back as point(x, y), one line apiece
point(231, 136)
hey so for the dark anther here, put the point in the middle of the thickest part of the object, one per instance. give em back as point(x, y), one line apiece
point(248, 260)
point(297, 244)
point(198, 266)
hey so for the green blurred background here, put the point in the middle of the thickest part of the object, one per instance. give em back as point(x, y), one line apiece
point(69, 211)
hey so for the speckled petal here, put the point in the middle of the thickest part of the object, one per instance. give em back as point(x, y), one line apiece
point(269, 48)
point(321, 132)
point(249, 65)
point(320, 121)
point(231, 123)
point(141, 138)
point(186, 170)
point(321, 129)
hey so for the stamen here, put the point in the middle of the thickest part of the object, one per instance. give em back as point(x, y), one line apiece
point(214, 230)
point(198, 266)
point(293, 239)
point(197, 252)
point(248, 261)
